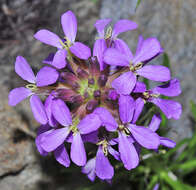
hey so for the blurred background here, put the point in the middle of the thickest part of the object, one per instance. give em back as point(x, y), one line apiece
point(173, 22)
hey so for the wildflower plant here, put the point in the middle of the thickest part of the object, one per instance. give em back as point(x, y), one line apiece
point(97, 99)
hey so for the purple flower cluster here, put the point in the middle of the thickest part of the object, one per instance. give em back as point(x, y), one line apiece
point(87, 104)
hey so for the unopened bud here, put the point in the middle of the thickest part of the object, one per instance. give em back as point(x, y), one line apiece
point(91, 105)
point(97, 93)
point(102, 80)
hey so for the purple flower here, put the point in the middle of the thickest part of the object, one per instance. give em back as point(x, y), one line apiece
point(154, 125)
point(109, 39)
point(75, 128)
point(89, 102)
point(129, 132)
point(119, 27)
point(68, 44)
point(100, 165)
point(128, 155)
point(45, 76)
point(89, 169)
point(146, 50)
point(60, 152)
point(170, 108)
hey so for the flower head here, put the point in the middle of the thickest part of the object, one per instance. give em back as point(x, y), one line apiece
point(86, 102)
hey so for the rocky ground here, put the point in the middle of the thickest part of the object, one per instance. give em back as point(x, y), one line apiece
point(172, 21)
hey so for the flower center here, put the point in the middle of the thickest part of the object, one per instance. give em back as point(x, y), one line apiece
point(104, 144)
point(124, 129)
point(136, 67)
point(108, 33)
point(148, 95)
point(31, 87)
point(73, 127)
point(88, 87)
point(66, 44)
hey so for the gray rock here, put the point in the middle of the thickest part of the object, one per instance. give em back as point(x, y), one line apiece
point(21, 167)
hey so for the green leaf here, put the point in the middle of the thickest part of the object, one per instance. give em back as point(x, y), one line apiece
point(164, 120)
point(137, 5)
point(192, 143)
point(174, 150)
point(152, 182)
point(193, 109)
point(146, 81)
point(174, 183)
point(166, 61)
point(188, 166)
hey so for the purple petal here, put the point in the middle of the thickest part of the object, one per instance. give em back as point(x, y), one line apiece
point(155, 122)
point(155, 72)
point(139, 87)
point(69, 24)
point(145, 137)
point(113, 95)
point(113, 57)
point(113, 141)
point(139, 45)
point(80, 50)
point(126, 108)
point(89, 169)
point(78, 153)
point(156, 187)
point(54, 138)
point(167, 142)
point(38, 109)
point(172, 88)
point(61, 112)
point(100, 26)
point(48, 38)
point(125, 83)
point(104, 169)
point(128, 152)
point(89, 123)
point(48, 107)
point(123, 26)
point(49, 59)
point(18, 94)
point(170, 108)
point(62, 156)
point(91, 137)
point(107, 119)
point(23, 69)
point(69, 138)
point(114, 153)
point(121, 46)
point(59, 60)
point(46, 76)
point(98, 50)
point(146, 50)
point(139, 104)
point(41, 130)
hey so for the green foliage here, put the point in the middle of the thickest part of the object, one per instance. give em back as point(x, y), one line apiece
point(193, 109)
point(137, 5)
point(166, 61)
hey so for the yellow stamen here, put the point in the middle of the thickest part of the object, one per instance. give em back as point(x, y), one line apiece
point(108, 33)
point(31, 87)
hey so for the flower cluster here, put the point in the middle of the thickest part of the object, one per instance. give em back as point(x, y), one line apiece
point(96, 100)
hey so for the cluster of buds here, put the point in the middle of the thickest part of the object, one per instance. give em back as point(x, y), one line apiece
point(96, 99)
